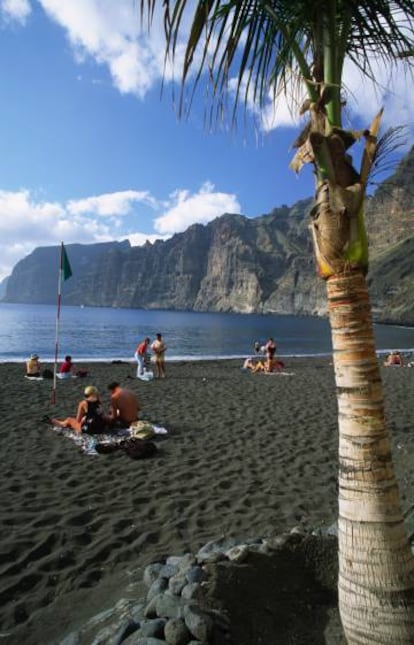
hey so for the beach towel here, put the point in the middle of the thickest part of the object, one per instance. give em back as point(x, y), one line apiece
point(88, 443)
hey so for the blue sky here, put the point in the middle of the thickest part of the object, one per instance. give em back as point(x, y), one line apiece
point(90, 151)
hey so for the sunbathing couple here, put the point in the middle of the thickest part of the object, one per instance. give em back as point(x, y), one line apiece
point(91, 418)
point(269, 365)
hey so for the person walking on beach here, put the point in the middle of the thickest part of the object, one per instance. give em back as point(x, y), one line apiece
point(90, 417)
point(33, 366)
point(124, 406)
point(141, 356)
point(159, 348)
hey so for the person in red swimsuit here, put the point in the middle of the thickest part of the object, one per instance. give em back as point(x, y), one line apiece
point(66, 369)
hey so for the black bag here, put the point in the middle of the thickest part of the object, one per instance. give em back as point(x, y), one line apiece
point(139, 448)
point(106, 448)
point(47, 373)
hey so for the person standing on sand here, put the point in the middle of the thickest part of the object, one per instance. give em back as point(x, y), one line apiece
point(270, 349)
point(159, 348)
point(141, 356)
point(124, 406)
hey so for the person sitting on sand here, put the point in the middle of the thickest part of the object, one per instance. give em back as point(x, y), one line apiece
point(66, 369)
point(269, 366)
point(273, 365)
point(90, 417)
point(124, 406)
point(394, 360)
point(33, 367)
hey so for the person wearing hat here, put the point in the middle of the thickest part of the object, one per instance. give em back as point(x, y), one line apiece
point(90, 417)
point(33, 366)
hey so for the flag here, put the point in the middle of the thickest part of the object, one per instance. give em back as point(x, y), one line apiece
point(65, 271)
point(66, 268)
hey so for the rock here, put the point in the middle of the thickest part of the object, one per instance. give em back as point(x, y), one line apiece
point(168, 570)
point(153, 628)
point(169, 606)
point(182, 562)
point(144, 641)
point(177, 583)
point(192, 591)
point(214, 550)
point(151, 573)
point(195, 574)
point(198, 622)
point(238, 553)
point(157, 587)
point(176, 632)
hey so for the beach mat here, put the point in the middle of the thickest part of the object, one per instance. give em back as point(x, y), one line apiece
point(88, 443)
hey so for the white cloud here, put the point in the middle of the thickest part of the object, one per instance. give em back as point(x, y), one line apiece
point(199, 208)
point(15, 10)
point(26, 221)
point(119, 203)
point(393, 92)
point(110, 33)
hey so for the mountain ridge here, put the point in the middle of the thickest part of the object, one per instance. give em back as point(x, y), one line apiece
point(234, 264)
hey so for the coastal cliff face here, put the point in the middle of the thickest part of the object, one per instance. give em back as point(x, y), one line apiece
point(234, 263)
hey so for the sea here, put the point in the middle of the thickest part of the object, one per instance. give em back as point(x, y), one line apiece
point(104, 334)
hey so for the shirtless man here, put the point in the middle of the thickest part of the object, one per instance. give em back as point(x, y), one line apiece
point(124, 406)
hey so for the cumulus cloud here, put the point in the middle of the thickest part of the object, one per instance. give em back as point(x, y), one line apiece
point(15, 10)
point(112, 35)
point(201, 208)
point(28, 221)
point(119, 203)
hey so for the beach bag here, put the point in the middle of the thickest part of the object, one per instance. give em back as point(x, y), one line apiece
point(47, 373)
point(142, 430)
point(139, 449)
point(82, 373)
point(106, 448)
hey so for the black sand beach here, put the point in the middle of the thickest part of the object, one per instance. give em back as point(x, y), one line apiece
point(245, 456)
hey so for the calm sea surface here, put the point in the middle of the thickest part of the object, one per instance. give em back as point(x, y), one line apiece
point(100, 334)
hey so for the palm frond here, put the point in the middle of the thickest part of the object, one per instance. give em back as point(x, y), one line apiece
point(261, 45)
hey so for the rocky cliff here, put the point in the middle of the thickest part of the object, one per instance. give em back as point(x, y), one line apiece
point(235, 264)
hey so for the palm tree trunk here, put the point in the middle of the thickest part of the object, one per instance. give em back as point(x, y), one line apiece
point(376, 565)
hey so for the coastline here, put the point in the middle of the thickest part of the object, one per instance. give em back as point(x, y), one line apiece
point(245, 456)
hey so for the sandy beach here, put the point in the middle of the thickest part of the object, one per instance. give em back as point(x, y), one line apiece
point(245, 455)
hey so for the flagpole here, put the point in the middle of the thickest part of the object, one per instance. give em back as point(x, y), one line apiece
point(59, 298)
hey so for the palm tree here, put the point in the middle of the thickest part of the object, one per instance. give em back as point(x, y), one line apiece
point(267, 47)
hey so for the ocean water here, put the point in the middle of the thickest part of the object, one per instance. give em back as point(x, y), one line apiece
point(99, 334)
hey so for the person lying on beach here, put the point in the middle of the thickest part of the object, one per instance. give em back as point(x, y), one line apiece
point(33, 367)
point(269, 366)
point(394, 360)
point(124, 406)
point(90, 417)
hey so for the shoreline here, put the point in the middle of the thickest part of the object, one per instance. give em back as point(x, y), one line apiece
point(246, 455)
point(48, 361)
